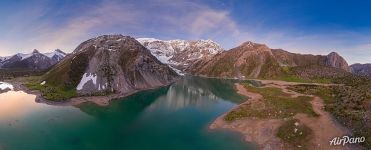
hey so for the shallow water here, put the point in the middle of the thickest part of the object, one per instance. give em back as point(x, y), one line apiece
point(174, 117)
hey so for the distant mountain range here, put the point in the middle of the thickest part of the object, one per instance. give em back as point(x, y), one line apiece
point(121, 64)
point(361, 69)
point(253, 60)
point(181, 54)
point(34, 60)
point(110, 64)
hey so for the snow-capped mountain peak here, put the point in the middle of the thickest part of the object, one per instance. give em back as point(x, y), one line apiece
point(35, 51)
point(147, 39)
point(181, 54)
point(56, 53)
point(23, 56)
point(34, 60)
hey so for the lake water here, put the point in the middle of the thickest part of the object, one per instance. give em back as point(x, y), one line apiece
point(170, 118)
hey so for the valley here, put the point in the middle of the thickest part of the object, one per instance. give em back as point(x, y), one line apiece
point(284, 92)
point(277, 115)
point(185, 75)
point(178, 114)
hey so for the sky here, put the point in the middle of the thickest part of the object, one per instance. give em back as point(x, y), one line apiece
point(315, 26)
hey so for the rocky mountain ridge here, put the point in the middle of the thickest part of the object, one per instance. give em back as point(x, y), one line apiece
point(121, 64)
point(34, 60)
point(254, 60)
point(335, 60)
point(361, 69)
point(181, 54)
point(110, 64)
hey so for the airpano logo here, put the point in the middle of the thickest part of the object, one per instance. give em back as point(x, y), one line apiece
point(347, 140)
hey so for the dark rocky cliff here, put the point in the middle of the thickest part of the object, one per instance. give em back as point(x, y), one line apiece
point(110, 64)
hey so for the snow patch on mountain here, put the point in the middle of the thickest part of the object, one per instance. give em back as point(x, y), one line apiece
point(180, 54)
point(24, 56)
point(56, 53)
point(34, 60)
point(4, 58)
point(4, 86)
point(86, 78)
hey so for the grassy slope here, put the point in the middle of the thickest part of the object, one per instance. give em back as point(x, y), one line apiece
point(55, 88)
point(49, 91)
point(59, 82)
point(225, 67)
point(310, 74)
point(276, 104)
point(282, 65)
point(295, 134)
point(53, 93)
point(14, 73)
point(62, 79)
point(350, 104)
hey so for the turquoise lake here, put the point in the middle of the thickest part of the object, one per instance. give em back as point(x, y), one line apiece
point(169, 118)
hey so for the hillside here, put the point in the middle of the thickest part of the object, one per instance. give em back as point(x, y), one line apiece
point(108, 64)
point(253, 60)
point(181, 54)
point(361, 69)
point(32, 61)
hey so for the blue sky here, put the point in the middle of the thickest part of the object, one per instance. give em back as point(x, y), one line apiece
point(316, 27)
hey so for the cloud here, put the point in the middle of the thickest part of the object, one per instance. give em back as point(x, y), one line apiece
point(83, 26)
point(46, 27)
point(207, 21)
point(175, 19)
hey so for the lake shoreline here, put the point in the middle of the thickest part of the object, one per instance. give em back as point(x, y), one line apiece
point(75, 101)
point(250, 125)
point(185, 109)
point(262, 132)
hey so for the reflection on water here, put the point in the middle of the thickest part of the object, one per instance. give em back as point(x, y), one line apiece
point(16, 105)
point(223, 89)
point(195, 92)
point(25, 124)
point(178, 97)
point(168, 118)
point(127, 109)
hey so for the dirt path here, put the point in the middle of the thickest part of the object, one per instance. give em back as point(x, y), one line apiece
point(324, 127)
point(285, 83)
point(252, 96)
point(263, 131)
point(259, 131)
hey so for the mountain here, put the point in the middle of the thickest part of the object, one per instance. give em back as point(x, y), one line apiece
point(181, 54)
point(335, 60)
point(291, 59)
point(110, 64)
point(361, 69)
point(253, 60)
point(3, 59)
point(34, 60)
point(56, 56)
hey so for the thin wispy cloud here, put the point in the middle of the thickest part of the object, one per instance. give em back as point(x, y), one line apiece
point(47, 25)
point(192, 21)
